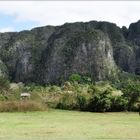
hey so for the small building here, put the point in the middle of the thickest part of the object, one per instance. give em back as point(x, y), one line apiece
point(25, 96)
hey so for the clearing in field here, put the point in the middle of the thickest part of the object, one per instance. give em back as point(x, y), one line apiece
point(69, 125)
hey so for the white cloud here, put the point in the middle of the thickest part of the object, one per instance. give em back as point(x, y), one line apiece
point(59, 12)
point(7, 29)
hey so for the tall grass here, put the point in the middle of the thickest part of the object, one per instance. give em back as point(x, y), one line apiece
point(21, 106)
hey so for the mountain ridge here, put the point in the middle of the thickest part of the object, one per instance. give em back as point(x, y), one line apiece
point(48, 54)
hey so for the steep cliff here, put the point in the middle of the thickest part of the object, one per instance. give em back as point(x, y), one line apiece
point(49, 54)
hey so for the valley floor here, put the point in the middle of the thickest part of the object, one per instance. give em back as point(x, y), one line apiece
point(69, 125)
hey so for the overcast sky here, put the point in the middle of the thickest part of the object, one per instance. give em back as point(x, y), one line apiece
point(17, 16)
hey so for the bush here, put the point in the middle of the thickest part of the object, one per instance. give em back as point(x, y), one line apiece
point(136, 106)
point(100, 102)
point(80, 79)
point(20, 106)
point(82, 102)
point(132, 93)
point(86, 79)
point(75, 78)
point(68, 101)
point(119, 103)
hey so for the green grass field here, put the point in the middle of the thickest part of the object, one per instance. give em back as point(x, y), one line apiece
point(69, 125)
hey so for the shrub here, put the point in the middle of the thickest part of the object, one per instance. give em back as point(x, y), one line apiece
point(136, 106)
point(132, 92)
point(75, 78)
point(100, 102)
point(86, 79)
point(119, 103)
point(80, 79)
point(68, 101)
point(81, 102)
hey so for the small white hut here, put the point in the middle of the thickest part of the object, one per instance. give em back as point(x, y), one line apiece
point(25, 96)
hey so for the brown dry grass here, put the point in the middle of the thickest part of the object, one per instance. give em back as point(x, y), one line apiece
point(21, 106)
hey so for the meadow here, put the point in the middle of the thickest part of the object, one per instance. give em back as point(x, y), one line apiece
point(69, 125)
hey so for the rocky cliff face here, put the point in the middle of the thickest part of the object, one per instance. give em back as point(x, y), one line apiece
point(3, 70)
point(49, 54)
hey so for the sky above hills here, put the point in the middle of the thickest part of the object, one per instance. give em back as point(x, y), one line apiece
point(22, 15)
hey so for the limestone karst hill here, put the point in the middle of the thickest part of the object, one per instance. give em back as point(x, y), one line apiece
point(49, 54)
